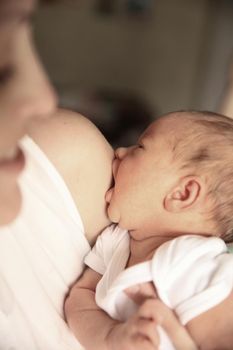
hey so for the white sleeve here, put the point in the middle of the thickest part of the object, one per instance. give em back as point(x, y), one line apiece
point(101, 254)
point(192, 274)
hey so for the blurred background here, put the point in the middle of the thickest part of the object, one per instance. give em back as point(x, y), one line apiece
point(122, 63)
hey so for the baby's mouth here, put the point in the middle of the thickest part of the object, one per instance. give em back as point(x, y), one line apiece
point(108, 195)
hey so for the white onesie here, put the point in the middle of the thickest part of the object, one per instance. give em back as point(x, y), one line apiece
point(41, 255)
point(191, 274)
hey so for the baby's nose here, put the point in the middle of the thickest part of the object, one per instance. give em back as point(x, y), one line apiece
point(120, 152)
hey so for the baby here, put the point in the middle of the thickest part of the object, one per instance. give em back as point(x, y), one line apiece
point(173, 204)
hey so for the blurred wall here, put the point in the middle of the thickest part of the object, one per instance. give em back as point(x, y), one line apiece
point(157, 57)
point(216, 58)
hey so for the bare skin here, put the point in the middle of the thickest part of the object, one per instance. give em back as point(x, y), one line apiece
point(70, 141)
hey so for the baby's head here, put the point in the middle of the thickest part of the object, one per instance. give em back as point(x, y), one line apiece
point(178, 178)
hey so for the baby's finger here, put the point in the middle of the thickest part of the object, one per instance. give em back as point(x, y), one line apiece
point(140, 292)
point(148, 311)
point(147, 328)
point(177, 333)
point(140, 342)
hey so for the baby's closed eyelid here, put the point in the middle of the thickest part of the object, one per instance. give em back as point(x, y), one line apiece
point(139, 145)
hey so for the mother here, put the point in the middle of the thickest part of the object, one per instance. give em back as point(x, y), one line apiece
point(51, 213)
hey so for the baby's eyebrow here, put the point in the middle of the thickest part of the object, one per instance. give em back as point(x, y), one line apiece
point(144, 137)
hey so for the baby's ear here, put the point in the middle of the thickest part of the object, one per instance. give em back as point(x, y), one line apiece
point(184, 195)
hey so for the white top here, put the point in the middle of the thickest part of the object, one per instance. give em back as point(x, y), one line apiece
point(41, 254)
point(191, 274)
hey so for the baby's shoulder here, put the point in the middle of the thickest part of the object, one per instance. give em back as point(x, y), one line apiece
point(193, 247)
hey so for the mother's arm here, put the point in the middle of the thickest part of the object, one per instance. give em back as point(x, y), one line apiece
point(83, 157)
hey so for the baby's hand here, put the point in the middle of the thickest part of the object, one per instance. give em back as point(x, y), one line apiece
point(141, 292)
point(163, 316)
point(138, 332)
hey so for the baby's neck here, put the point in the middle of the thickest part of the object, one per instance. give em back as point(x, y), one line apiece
point(144, 249)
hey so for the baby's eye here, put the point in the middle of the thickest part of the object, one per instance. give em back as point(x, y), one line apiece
point(6, 73)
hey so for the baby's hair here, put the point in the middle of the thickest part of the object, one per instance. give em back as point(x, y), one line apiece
point(206, 146)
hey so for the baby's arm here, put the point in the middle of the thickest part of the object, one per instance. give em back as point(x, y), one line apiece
point(87, 321)
point(213, 330)
point(96, 330)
